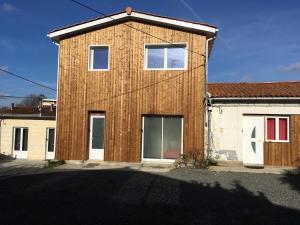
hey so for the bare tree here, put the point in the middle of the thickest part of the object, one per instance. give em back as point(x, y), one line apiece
point(32, 100)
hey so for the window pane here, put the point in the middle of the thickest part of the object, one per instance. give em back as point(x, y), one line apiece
point(172, 138)
point(271, 128)
point(253, 145)
point(176, 57)
point(152, 137)
point(17, 139)
point(155, 57)
point(253, 134)
point(100, 59)
point(51, 140)
point(25, 139)
point(283, 129)
point(98, 133)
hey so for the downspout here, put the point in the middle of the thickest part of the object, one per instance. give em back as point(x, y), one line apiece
point(0, 134)
point(207, 100)
point(56, 105)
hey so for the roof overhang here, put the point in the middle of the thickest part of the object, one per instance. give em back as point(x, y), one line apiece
point(58, 34)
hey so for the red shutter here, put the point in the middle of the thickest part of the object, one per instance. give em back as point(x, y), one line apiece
point(283, 129)
point(271, 129)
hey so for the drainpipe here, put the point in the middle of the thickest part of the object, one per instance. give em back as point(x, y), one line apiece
point(207, 100)
point(209, 110)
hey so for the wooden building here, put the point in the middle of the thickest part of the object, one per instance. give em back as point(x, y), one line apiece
point(131, 88)
point(256, 124)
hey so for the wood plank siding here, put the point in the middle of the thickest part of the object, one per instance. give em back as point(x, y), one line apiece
point(285, 154)
point(127, 91)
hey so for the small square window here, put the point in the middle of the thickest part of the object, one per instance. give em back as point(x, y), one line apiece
point(99, 58)
point(155, 57)
point(176, 57)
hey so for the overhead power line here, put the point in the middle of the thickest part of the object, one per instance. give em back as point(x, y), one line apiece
point(134, 90)
point(142, 31)
point(11, 96)
point(28, 80)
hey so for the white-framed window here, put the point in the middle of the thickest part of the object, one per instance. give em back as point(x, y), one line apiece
point(162, 138)
point(277, 129)
point(20, 139)
point(165, 56)
point(98, 58)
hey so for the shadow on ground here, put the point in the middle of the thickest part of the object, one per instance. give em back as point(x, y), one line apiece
point(131, 197)
point(293, 179)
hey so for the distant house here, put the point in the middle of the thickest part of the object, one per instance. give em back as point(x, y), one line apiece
point(131, 87)
point(28, 132)
point(256, 123)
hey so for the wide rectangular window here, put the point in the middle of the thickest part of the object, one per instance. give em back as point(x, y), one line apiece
point(277, 129)
point(165, 56)
point(20, 139)
point(162, 137)
point(99, 58)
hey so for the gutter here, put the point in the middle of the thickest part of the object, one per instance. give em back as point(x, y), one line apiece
point(255, 98)
point(207, 99)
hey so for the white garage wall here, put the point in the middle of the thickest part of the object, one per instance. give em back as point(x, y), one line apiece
point(227, 123)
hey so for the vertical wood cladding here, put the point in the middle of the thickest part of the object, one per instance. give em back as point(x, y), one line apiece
point(127, 91)
point(285, 154)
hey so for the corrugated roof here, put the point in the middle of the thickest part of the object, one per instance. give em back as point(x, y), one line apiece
point(266, 89)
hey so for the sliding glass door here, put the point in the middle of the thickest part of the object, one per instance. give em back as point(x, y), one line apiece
point(162, 137)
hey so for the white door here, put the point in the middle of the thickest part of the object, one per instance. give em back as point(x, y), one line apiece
point(20, 143)
point(50, 143)
point(253, 140)
point(96, 146)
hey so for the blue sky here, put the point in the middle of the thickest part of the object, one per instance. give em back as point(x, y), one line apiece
point(258, 40)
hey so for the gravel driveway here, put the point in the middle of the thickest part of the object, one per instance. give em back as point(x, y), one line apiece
point(182, 196)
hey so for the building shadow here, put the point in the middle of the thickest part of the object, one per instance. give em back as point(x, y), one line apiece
point(132, 197)
point(292, 178)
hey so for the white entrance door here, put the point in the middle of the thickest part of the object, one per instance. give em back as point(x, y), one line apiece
point(20, 143)
point(96, 146)
point(50, 143)
point(253, 137)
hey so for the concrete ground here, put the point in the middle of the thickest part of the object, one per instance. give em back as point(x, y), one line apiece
point(127, 196)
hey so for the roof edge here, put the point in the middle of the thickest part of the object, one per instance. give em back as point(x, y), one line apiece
point(73, 29)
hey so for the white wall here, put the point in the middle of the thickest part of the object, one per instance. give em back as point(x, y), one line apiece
point(227, 124)
point(37, 130)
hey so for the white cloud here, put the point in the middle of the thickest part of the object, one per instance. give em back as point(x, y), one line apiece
point(246, 78)
point(292, 68)
point(7, 7)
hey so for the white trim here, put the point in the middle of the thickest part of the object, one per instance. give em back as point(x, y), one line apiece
point(57, 94)
point(101, 151)
point(20, 153)
point(50, 155)
point(160, 160)
point(178, 23)
point(247, 159)
point(91, 58)
point(277, 128)
point(165, 46)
